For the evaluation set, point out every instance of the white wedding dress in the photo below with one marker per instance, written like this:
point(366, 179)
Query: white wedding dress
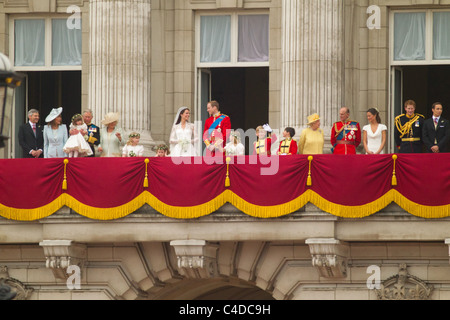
point(182, 141)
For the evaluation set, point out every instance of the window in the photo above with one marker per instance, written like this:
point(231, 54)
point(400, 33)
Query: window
point(420, 37)
point(233, 40)
point(45, 44)
point(441, 35)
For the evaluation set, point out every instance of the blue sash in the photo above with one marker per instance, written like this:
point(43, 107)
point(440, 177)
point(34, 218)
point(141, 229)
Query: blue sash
point(216, 124)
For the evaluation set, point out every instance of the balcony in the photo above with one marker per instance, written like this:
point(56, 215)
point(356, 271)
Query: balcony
point(290, 226)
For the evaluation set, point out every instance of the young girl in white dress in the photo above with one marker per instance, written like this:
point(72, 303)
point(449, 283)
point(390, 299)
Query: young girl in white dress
point(162, 151)
point(374, 134)
point(234, 147)
point(76, 145)
point(183, 135)
point(132, 148)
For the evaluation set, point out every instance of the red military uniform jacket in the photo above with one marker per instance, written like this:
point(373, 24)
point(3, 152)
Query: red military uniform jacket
point(288, 146)
point(345, 137)
point(216, 128)
point(263, 146)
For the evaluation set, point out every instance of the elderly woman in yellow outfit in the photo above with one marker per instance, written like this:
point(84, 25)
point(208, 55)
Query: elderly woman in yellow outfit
point(312, 138)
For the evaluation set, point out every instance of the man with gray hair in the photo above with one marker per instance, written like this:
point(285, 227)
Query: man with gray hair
point(93, 136)
point(31, 137)
point(345, 134)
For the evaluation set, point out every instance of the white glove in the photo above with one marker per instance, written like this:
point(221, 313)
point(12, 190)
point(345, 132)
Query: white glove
point(267, 128)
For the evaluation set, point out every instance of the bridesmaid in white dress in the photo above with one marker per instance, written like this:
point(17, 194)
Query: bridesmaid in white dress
point(374, 134)
point(183, 135)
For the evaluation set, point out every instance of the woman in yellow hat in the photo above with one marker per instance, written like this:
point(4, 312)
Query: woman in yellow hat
point(312, 138)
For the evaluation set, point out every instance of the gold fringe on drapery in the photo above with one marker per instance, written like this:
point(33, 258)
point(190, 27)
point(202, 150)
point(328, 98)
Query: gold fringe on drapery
point(194, 212)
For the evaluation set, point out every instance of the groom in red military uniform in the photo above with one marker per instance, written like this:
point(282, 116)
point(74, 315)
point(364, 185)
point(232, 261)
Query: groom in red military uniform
point(345, 134)
point(217, 129)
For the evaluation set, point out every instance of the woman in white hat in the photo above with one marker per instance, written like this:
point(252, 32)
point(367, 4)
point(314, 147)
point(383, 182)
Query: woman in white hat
point(312, 138)
point(110, 136)
point(55, 135)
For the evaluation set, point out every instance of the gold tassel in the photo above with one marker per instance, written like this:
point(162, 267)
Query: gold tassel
point(146, 173)
point(309, 180)
point(64, 185)
point(394, 177)
point(227, 179)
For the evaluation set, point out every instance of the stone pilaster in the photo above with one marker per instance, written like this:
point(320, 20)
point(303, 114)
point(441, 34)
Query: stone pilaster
point(312, 61)
point(119, 75)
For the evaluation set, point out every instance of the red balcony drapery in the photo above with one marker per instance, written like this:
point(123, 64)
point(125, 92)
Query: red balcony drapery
point(354, 186)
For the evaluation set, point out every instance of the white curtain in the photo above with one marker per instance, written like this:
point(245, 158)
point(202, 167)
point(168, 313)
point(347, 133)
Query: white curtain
point(254, 38)
point(66, 44)
point(29, 42)
point(215, 39)
point(409, 36)
point(441, 35)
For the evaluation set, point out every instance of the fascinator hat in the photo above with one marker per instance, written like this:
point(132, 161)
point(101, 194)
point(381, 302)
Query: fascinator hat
point(53, 114)
point(313, 118)
point(110, 118)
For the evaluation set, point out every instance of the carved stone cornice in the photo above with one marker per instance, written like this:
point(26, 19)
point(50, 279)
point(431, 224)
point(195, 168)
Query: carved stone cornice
point(12, 289)
point(404, 286)
point(197, 259)
point(60, 254)
point(329, 256)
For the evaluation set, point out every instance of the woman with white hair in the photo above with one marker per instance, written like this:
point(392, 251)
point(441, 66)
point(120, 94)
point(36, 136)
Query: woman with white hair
point(312, 138)
point(110, 136)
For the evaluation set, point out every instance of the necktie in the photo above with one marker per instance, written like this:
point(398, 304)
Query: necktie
point(436, 120)
point(34, 128)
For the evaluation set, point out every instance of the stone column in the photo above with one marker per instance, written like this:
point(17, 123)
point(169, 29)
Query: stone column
point(119, 68)
point(312, 61)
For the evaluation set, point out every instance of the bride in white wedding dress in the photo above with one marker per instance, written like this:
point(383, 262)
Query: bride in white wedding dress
point(183, 136)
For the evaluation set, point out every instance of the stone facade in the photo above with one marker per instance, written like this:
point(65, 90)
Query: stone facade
point(322, 56)
point(138, 258)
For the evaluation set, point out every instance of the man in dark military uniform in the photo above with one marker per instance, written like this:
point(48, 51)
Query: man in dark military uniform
point(93, 136)
point(408, 129)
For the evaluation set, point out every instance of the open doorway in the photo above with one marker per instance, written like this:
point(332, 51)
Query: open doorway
point(427, 85)
point(243, 94)
point(45, 90)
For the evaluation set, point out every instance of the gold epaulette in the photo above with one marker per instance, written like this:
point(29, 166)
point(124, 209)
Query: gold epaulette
point(418, 114)
point(398, 117)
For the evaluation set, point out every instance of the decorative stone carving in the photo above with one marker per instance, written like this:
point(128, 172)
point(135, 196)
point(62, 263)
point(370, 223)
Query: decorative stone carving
point(10, 288)
point(197, 259)
point(404, 286)
point(329, 256)
point(60, 254)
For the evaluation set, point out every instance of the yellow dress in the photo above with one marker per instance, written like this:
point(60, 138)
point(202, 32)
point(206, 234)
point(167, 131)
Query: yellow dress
point(311, 141)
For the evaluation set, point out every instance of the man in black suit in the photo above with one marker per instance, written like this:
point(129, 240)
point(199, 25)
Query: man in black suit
point(31, 138)
point(436, 131)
